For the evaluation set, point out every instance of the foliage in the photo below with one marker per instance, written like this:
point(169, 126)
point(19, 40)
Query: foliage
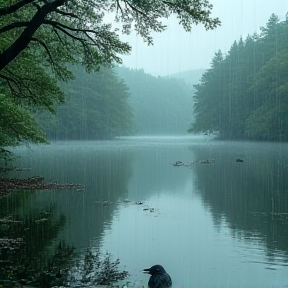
point(40, 39)
point(61, 31)
point(260, 120)
point(161, 105)
point(78, 25)
point(244, 94)
point(6, 156)
point(26, 260)
point(22, 254)
point(96, 269)
point(17, 124)
point(191, 77)
point(96, 107)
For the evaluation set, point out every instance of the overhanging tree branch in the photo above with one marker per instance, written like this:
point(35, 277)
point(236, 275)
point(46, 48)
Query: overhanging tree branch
point(119, 6)
point(13, 26)
point(23, 40)
point(135, 9)
point(73, 20)
point(24, 88)
point(45, 47)
point(58, 24)
point(57, 34)
point(8, 78)
point(16, 83)
point(72, 15)
point(69, 34)
point(13, 8)
point(74, 32)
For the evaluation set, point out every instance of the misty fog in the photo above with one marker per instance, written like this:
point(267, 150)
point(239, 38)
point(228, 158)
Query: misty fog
point(112, 161)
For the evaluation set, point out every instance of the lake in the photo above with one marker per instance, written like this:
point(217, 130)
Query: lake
point(212, 222)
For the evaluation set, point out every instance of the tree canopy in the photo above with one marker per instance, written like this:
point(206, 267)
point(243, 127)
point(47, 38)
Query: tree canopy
point(161, 105)
point(244, 94)
point(41, 39)
point(96, 107)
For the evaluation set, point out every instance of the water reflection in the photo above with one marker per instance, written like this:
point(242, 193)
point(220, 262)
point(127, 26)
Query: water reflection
point(252, 196)
point(27, 234)
point(102, 170)
point(208, 215)
point(224, 219)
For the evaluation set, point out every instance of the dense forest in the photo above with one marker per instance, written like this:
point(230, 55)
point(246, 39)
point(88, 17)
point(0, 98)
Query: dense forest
point(244, 94)
point(191, 77)
point(161, 105)
point(121, 101)
point(42, 40)
point(96, 107)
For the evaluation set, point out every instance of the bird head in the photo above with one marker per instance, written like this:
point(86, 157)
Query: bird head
point(154, 270)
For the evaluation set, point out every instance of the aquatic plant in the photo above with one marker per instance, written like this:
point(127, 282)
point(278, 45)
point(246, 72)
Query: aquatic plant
point(64, 269)
point(95, 269)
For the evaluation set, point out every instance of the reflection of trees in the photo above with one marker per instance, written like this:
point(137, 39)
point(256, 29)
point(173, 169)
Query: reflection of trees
point(25, 235)
point(31, 256)
point(105, 178)
point(35, 222)
point(103, 172)
point(251, 196)
point(153, 171)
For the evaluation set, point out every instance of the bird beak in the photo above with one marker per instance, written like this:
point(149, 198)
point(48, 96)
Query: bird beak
point(146, 271)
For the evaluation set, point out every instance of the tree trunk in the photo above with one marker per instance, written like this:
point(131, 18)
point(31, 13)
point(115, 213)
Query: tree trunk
point(24, 39)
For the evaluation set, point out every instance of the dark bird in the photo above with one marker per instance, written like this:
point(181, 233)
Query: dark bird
point(159, 278)
point(239, 160)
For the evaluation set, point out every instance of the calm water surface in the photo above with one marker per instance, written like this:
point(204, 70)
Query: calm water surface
point(221, 224)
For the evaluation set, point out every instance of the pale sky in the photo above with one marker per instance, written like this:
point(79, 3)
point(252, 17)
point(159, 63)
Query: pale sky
point(176, 50)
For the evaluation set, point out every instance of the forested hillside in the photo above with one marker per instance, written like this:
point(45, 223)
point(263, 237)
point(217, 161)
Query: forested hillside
point(244, 94)
point(101, 105)
point(191, 77)
point(96, 107)
point(41, 40)
point(161, 105)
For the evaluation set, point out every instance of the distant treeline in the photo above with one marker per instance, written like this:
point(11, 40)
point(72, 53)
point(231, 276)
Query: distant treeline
point(96, 107)
point(161, 105)
point(244, 94)
point(122, 101)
